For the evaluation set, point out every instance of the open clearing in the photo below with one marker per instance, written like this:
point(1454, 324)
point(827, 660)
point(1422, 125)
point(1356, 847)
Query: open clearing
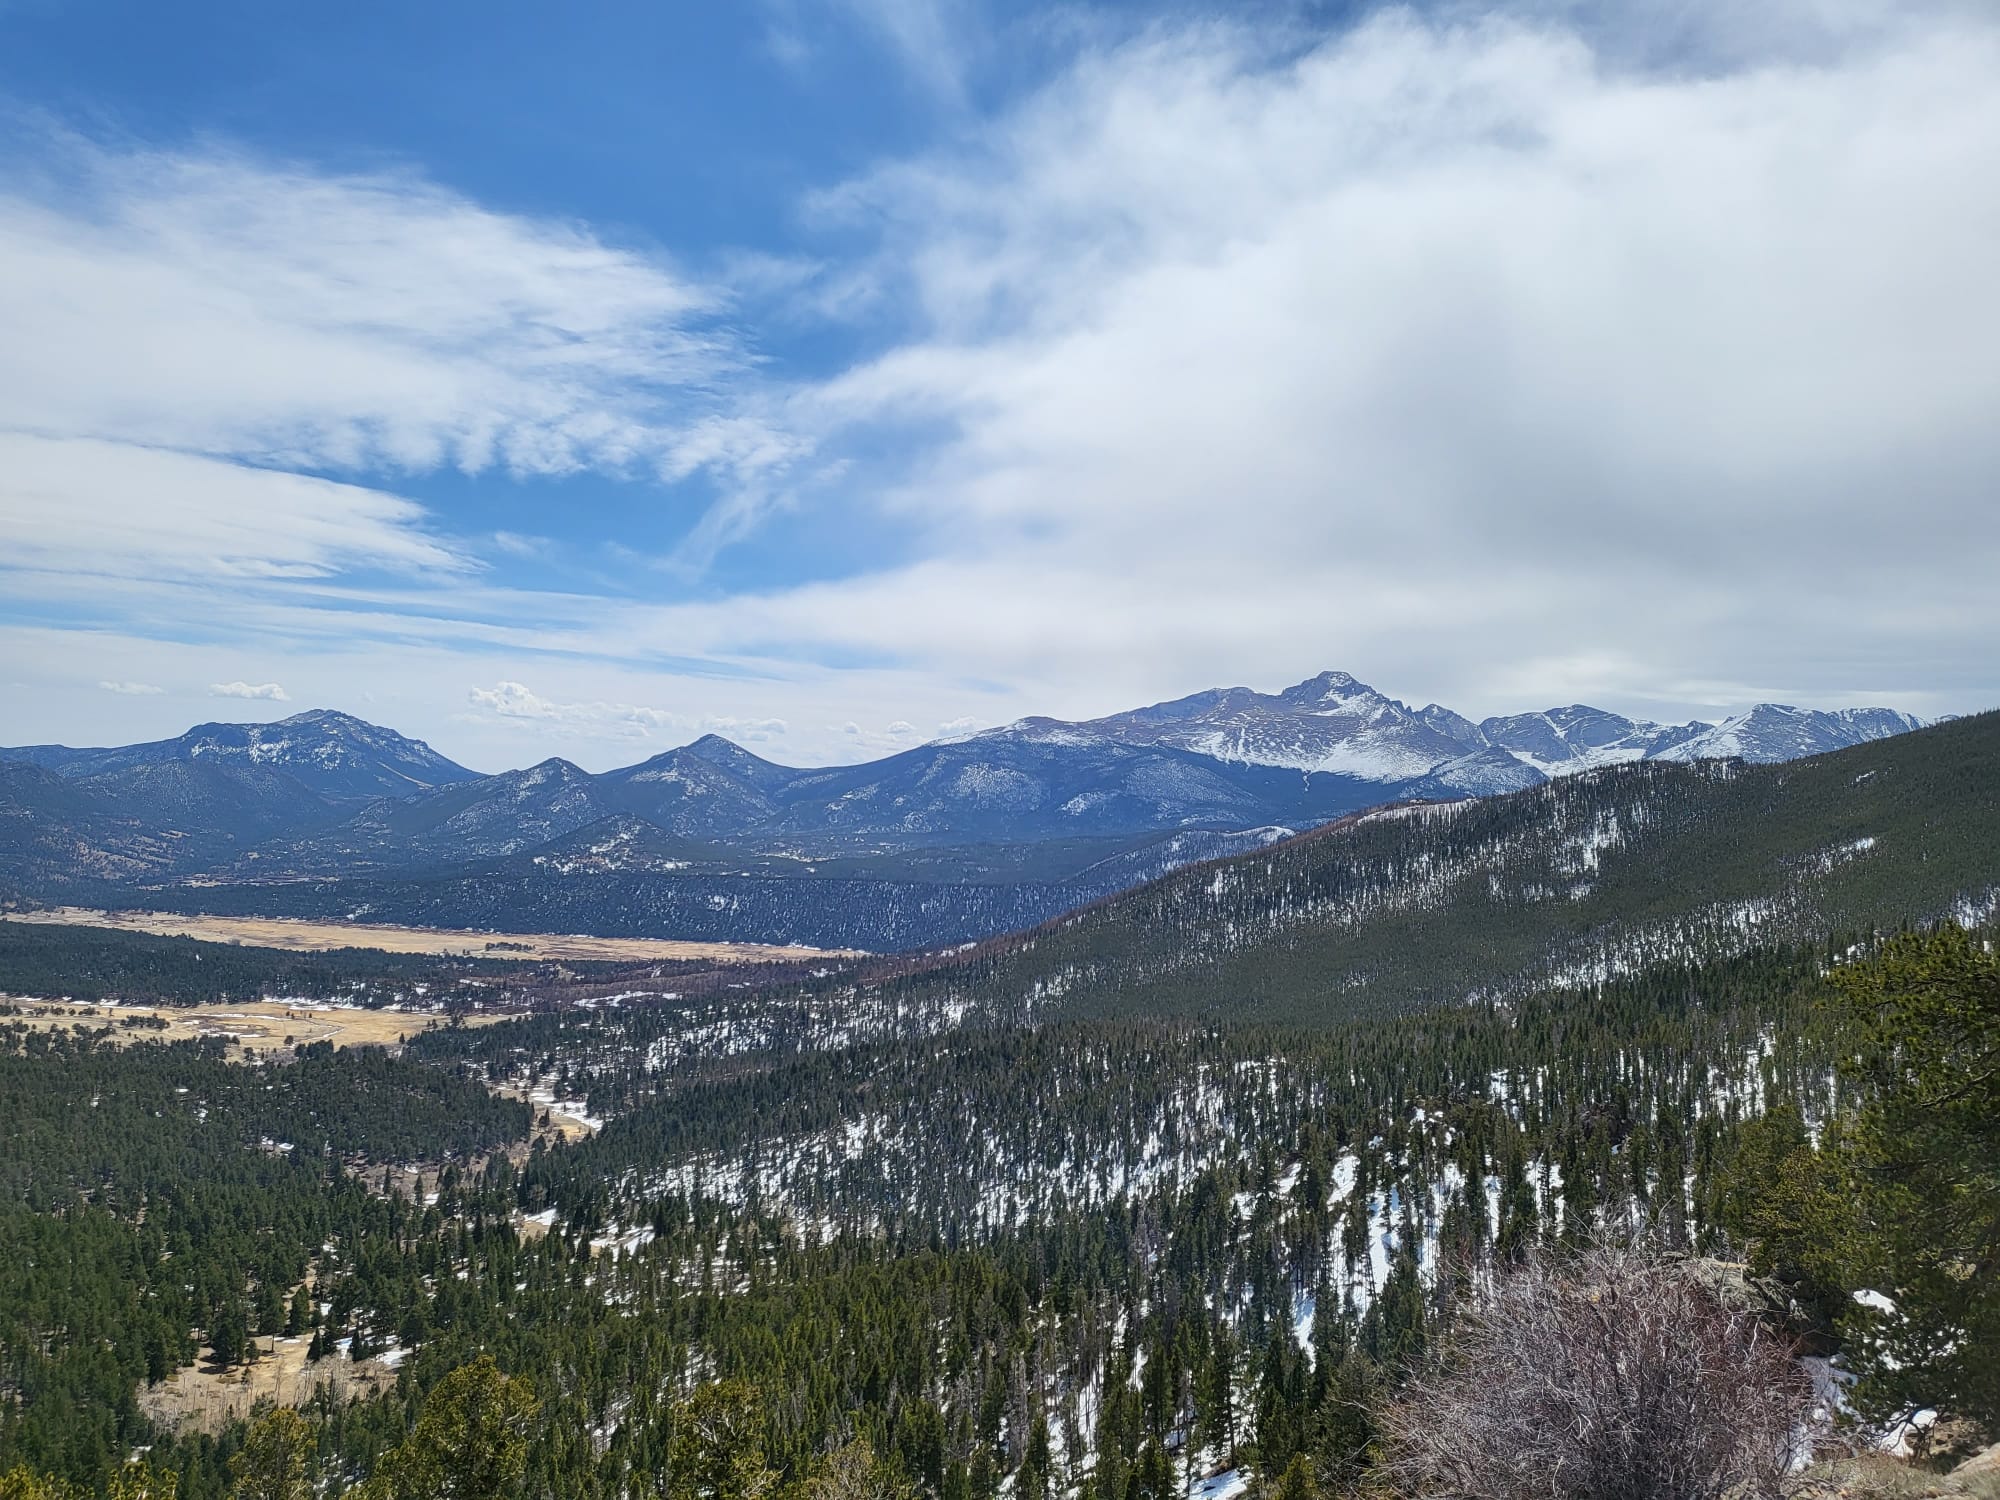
point(257, 1026)
point(208, 1400)
point(304, 935)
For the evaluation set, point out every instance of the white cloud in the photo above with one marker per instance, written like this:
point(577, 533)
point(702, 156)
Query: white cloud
point(617, 721)
point(899, 735)
point(514, 700)
point(269, 692)
point(928, 36)
point(1474, 357)
point(746, 731)
point(132, 689)
point(1486, 360)
point(189, 329)
point(226, 304)
point(91, 507)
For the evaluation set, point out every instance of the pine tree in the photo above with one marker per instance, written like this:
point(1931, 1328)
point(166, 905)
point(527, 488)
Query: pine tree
point(1922, 1163)
point(718, 1444)
point(228, 1337)
point(853, 1472)
point(470, 1441)
point(272, 1463)
point(1298, 1482)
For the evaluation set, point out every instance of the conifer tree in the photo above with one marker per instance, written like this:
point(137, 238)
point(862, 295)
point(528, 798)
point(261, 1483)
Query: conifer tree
point(718, 1444)
point(1922, 1163)
point(470, 1441)
point(272, 1463)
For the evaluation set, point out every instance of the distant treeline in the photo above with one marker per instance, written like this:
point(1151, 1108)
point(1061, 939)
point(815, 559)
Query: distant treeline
point(99, 963)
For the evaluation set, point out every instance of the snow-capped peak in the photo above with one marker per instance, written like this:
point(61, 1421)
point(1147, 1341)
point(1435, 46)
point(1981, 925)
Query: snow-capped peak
point(1771, 732)
point(1336, 724)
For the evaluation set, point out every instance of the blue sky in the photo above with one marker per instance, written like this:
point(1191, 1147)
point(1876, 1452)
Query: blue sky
point(835, 373)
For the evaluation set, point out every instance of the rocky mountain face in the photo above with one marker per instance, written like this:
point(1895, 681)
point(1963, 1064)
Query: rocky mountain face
point(474, 819)
point(1336, 724)
point(1773, 732)
point(1001, 790)
point(1331, 724)
point(1578, 737)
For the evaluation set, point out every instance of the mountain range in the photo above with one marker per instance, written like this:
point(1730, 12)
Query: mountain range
point(1333, 724)
point(1053, 811)
point(1576, 882)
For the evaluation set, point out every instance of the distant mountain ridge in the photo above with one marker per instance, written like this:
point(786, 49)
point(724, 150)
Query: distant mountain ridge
point(331, 754)
point(204, 797)
point(1336, 724)
point(1055, 809)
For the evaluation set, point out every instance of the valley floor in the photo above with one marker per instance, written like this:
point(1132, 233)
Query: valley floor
point(296, 934)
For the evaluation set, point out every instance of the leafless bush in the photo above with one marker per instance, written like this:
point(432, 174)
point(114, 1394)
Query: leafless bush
point(1615, 1375)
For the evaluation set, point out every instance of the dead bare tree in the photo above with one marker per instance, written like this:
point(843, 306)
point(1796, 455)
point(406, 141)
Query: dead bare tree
point(1612, 1375)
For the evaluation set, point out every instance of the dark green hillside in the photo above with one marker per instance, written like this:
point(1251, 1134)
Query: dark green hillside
point(156, 1198)
point(120, 1126)
point(1609, 871)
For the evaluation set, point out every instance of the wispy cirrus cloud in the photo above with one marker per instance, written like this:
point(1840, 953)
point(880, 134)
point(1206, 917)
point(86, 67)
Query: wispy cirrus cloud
point(98, 508)
point(218, 302)
point(222, 367)
point(930, 40)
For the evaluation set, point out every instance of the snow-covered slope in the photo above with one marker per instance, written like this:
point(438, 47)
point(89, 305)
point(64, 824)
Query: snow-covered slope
point(1773, 732)
point(1578, 738)
point(478, 819)
point(1331, 723)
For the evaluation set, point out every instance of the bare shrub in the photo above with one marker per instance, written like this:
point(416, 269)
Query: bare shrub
point(1614, 1375)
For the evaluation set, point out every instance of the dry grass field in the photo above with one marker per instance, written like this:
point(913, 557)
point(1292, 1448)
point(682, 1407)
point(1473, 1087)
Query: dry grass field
point(303, 935)
point(207, 1400)
point(257, 1026)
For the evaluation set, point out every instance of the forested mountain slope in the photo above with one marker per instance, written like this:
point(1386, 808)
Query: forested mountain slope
point(1170, 1248)
point(947, 1240)
point(1594, 874)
